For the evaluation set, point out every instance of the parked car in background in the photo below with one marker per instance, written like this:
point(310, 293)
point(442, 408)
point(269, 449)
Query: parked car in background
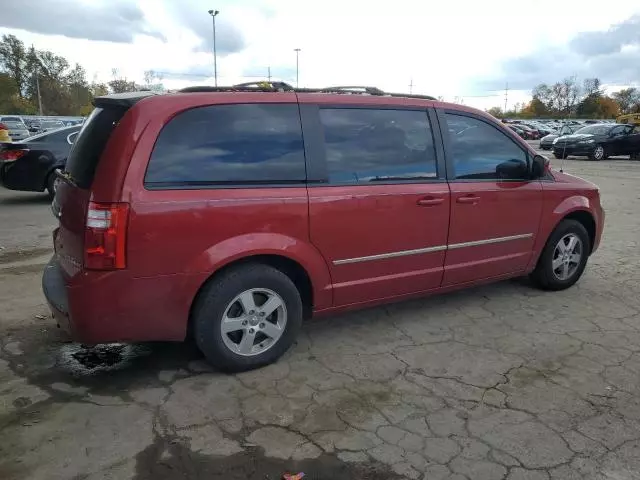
point(533, 134)
point(599, 142)
point(17, 130)
point(291, 183)
point(4, 133)
point(29, 165)
point(11, 118)
point(521, 133)
point(546, 142)
point(48, 125)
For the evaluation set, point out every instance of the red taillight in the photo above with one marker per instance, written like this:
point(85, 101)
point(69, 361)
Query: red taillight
point(3, 127)
point(12, 155)
point(105, 236)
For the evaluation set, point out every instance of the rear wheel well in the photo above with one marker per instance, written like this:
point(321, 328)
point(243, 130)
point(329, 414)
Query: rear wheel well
point(290, 268)
point(587, 221)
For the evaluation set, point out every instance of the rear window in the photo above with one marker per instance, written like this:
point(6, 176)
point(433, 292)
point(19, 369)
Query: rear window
point(89, 144)
point(227, 145)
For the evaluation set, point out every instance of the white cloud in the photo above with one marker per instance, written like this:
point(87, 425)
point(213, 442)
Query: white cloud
point(447, 48)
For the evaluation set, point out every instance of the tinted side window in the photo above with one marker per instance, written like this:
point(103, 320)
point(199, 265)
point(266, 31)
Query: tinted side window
point(368, 145)
point(478, 148)
point(230, 144)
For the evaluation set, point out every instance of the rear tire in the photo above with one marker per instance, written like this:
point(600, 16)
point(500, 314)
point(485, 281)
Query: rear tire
point(228, 325)
point(51, 185)
point(549, 273)
point(634, 156)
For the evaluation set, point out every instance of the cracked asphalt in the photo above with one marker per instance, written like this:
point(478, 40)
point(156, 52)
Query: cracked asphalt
point(497, 382)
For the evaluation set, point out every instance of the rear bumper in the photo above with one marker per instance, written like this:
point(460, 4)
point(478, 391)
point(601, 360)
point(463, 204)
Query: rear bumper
point(102, 307)
point(55, 292)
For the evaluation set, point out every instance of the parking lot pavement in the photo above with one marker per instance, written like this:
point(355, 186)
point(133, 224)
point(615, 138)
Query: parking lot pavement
point(498, 382)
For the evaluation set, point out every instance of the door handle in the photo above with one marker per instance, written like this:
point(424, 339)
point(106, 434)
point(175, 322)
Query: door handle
point(468, 199)
point(430, 201)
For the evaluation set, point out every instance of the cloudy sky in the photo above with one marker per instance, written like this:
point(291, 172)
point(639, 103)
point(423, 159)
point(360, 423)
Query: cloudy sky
point(453, 48)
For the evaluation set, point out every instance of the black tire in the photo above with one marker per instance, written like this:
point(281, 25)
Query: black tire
point(560, 155)
point(598, 153)
point(51, 178)
point(217, 295)
point(543, 276)
point(634, 156)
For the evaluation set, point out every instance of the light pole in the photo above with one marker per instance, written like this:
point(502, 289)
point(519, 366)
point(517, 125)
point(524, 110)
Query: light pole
point(297, 50)
point(213, 14)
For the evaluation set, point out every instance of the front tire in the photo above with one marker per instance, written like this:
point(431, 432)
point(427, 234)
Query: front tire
point(563, 258)
point(598, 153)
point(560, 155)
point(247, 318)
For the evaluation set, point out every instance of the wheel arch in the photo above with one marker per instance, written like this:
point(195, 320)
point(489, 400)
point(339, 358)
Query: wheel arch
point(290, 267)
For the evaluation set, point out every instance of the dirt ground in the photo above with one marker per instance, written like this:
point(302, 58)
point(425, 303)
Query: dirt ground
point(497, 382)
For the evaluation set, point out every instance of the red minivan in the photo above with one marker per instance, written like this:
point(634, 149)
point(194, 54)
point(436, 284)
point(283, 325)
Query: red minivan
point(230, 214)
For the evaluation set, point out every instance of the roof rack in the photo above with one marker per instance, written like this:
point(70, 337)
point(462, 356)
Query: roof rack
point(270, 86)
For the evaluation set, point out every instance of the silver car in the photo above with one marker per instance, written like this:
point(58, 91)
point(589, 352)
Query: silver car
point(18, 131)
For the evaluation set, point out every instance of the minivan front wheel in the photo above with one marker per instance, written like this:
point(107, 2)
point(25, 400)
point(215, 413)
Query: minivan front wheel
point(564, 257)
point(247, 318)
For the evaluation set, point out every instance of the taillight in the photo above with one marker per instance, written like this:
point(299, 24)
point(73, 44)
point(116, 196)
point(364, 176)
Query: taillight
point(105, 236)
point(12, 155)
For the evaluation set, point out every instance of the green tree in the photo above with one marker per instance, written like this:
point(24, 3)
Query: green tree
point(628, 99)
point(13, 59)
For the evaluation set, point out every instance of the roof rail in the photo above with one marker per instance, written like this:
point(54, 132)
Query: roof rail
point(270, 86)
point(266, 86)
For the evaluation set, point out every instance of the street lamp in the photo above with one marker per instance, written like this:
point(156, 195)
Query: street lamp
point(297, 50)
point(213, 14)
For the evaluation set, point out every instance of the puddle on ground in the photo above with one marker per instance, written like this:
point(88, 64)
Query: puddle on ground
point(81, 360)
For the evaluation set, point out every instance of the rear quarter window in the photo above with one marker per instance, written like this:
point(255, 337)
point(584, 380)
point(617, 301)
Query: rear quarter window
point(227, 145)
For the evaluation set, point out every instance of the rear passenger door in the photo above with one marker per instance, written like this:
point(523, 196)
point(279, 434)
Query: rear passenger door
point(494, 221)
point(378, 199)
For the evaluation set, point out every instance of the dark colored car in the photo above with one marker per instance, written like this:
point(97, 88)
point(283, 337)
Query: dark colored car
point(546, 142)
point(599, 142)
point(231, 214)
point(533, 133)
point(521, 132)
point(29, 165)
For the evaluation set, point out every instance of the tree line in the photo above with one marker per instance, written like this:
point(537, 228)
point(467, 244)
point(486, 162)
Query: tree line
point(570, 99)
point(40, 82)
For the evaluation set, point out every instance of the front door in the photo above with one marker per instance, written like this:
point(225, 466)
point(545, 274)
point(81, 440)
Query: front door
point(494, 221)
point(381, 216)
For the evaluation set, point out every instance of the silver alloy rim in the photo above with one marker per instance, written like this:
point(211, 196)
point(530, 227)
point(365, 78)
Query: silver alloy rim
point(598, 152)
point(253, 322)
point(567, 256)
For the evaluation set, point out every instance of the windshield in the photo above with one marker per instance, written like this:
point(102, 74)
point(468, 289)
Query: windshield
point(16, 125)
point(594, 129)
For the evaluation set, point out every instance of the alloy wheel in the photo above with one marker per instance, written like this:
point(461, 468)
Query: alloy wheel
point(567, 256)
point(253, 321)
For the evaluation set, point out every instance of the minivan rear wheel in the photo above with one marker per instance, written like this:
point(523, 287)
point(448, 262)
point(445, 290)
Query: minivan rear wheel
point(564, 257)
point(247, 318)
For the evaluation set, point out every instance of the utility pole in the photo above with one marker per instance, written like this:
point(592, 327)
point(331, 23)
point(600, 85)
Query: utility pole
point(506, 96)
point(297, 50)
point(411, 86)
point(39, 97)
point(213, 14)
point(269, 73)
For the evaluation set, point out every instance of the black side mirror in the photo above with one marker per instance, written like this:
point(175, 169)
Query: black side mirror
point(512, 170)
point(538, 166)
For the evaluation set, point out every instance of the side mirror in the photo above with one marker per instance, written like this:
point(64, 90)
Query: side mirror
point(512, 170)
point(539, 165)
